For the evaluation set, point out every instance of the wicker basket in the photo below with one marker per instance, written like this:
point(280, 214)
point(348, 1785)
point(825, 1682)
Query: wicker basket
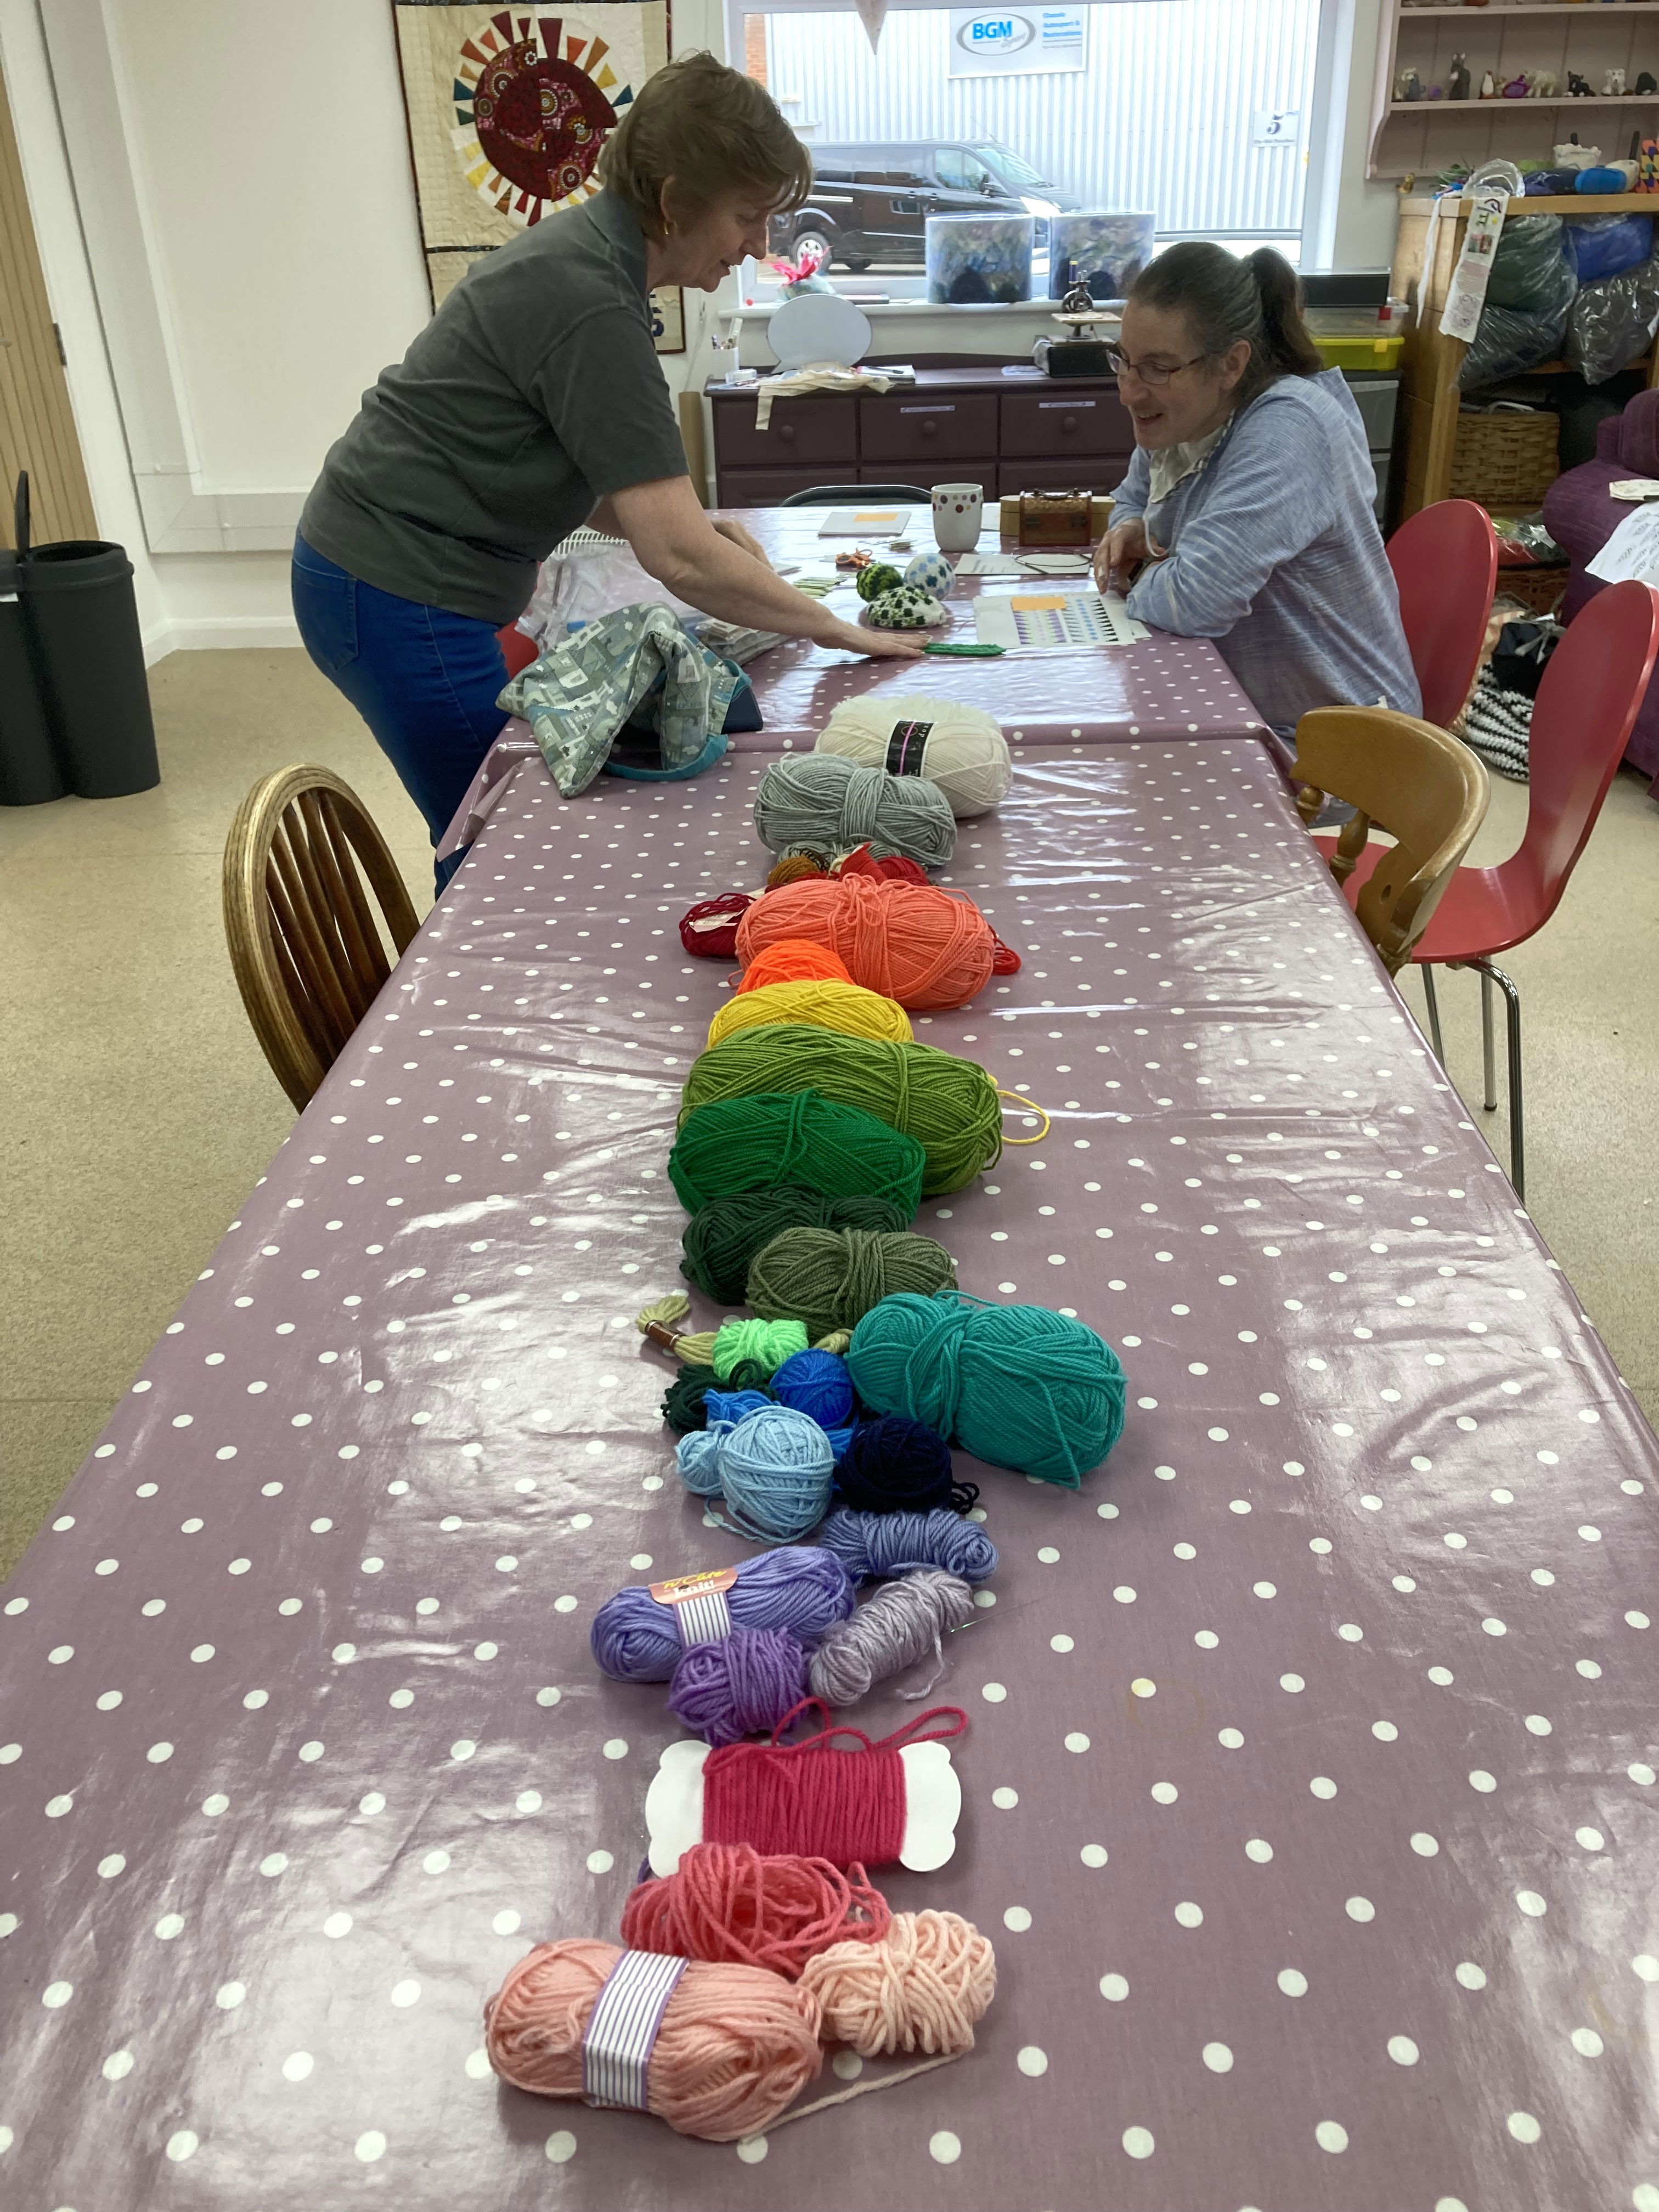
point(1537, 589)
point(1506, 461)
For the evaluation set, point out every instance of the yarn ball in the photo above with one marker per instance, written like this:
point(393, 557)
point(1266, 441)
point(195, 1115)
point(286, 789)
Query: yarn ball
point(635, 1639)
point(922, 1987)
point(829, 1278)
point(816, 1383)
point(818, 798)
point(722, 1238)
point(727, 1902)
point(931, 573)
point(791, 868)
point(710, 927)
point(912, 942)
point(895, 1465)
point(684, 1405)
point(767, 1344)
point(1018, 1386)
point(735, 1406)
point(903, 1621)
point(793, 961)
point(755, 1143)
point(873, 1546)
point(846, 1008)
point(958, 747)
point(950, 1106)
point(880, 576)
point(906, 608)
point(742, 1685)
point(772, 1470)
point(735, 2048)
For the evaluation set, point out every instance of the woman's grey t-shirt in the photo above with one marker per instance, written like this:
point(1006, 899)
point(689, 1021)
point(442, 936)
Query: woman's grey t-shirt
point(533, 391)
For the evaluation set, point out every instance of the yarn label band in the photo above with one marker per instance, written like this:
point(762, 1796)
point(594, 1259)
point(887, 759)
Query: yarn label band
point(701, 1612)
point(905, 747)
point(622, 2028)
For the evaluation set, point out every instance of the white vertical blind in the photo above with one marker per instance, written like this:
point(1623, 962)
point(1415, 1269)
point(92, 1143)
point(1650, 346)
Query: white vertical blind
point(1159, 118)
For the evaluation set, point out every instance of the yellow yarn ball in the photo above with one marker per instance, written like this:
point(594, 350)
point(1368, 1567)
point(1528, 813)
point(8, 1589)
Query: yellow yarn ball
point(848, 1008)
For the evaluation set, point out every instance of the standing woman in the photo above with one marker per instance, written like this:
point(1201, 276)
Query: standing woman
point(531, 403)
point(1247, 508)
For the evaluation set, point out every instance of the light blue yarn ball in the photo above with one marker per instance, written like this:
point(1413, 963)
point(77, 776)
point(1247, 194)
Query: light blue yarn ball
point(931, 572)
point(774, 1470)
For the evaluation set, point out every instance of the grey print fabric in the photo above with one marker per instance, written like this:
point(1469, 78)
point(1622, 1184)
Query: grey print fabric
point(577, 696)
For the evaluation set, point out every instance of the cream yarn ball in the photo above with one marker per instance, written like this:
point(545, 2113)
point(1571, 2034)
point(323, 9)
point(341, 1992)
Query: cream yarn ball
point(960, 748)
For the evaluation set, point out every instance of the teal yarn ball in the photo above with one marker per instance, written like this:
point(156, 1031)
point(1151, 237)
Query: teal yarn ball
point(774, 1470)
point(1017, 1386)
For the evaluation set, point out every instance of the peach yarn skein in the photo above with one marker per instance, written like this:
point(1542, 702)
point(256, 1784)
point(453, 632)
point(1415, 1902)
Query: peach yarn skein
point(909, 941)
point(736, 2047)
point(920, 1987)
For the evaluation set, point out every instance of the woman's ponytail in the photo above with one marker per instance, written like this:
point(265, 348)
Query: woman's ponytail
point(1290, 350)
point(1226, 300)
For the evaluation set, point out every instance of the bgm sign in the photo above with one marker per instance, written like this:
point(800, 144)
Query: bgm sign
point(1015, 41)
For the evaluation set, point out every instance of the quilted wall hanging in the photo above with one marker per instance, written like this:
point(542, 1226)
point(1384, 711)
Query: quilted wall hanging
point(507, 110)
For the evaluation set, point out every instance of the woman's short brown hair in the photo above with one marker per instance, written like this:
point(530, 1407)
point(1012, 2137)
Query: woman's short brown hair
point(712, 130)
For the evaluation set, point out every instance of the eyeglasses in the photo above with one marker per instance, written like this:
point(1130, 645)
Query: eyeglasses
point(1152, 372)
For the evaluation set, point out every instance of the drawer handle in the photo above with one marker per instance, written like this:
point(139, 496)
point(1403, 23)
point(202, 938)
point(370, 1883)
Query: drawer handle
point(1042, 404)
point(949, 409)
point(930, 429)
point(786, 429)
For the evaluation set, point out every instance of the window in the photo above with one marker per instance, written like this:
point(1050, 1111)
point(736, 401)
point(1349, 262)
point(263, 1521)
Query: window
point(1199, 110)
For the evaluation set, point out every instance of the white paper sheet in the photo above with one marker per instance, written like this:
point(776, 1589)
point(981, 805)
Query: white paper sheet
point(1024, 564)
point(1633, 549)
point(865, 522)
point(1054, 620)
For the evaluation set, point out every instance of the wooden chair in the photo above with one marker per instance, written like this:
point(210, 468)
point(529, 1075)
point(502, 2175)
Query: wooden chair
point(1425, 789)
point(305, 943)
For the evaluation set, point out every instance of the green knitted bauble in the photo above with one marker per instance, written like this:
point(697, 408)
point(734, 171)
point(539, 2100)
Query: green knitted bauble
point(906, 608)
point(880, 576)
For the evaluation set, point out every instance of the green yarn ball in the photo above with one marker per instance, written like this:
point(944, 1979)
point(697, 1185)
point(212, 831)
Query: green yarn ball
point(906, 608)
point(724, 1237)
point(763, 1344)
point(753, 1143)
point(1017, 1386)
point(683, 1407)
point(829, 1278)
point(880, 576)
point(950, 1106)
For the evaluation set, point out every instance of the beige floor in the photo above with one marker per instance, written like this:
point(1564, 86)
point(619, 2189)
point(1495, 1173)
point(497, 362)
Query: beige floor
point(138, 1110)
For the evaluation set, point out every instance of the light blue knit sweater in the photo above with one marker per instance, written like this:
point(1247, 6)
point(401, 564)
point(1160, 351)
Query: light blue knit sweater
point(1274, 552)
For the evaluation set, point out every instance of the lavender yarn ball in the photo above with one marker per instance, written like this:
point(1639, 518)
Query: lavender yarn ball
point(903, 1621)
point(741, 1687)
point(875, 1546)
point(804, 1589)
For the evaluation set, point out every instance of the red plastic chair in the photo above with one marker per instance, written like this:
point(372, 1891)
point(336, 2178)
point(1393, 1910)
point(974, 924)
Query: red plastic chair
point(518, 650)
point(1592, 691)
point(1445, 566)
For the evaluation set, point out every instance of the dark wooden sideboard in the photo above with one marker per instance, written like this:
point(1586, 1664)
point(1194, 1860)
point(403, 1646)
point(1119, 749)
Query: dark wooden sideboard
point(1010, 429)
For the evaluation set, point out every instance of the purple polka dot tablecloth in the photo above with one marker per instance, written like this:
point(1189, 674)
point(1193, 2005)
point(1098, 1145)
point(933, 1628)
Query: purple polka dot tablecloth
point(1309, 1778)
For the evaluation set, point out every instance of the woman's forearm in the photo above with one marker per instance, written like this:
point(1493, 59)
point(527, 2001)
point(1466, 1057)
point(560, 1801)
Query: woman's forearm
point(675, 542)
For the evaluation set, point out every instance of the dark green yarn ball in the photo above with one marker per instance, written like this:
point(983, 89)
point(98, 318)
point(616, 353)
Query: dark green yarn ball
point(723, 1237)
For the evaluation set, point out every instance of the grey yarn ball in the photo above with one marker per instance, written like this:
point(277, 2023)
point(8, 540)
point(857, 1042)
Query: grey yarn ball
point(818, 802)
point(902, 1622)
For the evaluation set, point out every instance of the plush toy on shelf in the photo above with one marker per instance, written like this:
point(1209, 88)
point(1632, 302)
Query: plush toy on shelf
point(1647, 82)
point(1612, 84)
point(1515, 89)
point(1408, 85)
point(1488, 85)
point(1457, 85)
point(1577, 87)
point(1540, 84)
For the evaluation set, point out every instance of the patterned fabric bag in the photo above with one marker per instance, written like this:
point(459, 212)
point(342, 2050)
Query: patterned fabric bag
point(577, 697)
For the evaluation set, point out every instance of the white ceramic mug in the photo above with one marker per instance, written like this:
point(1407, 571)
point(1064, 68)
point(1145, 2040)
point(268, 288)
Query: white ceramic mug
point(958, 511)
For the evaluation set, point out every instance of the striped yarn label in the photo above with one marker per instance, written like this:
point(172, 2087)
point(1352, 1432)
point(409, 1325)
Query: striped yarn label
point(622, 2028)
point(904, 748)
point(705, 1619)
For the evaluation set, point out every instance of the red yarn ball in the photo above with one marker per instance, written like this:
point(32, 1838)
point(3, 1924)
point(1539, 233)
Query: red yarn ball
point(710, 927)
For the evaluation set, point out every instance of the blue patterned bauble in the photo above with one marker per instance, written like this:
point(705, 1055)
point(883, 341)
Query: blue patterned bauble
point(931, 572)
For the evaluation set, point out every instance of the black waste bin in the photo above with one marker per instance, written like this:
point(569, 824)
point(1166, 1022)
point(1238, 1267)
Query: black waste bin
point(30, 771)
point(81, 620)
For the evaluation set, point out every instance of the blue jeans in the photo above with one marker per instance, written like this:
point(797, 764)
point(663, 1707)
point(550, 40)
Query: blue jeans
point(424, 680)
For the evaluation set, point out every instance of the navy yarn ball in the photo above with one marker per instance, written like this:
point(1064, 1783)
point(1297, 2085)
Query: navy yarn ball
point(895, 1465)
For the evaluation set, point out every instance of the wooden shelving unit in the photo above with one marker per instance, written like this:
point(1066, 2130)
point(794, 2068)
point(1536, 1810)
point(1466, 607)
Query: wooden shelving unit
point(1420, 137)
point(1429, 363)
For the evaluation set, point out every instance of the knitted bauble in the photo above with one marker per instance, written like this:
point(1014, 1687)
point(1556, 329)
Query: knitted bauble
point(931, 573)
point(906, 608)
point(880, 576)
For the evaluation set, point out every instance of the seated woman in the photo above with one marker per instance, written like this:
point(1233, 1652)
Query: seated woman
point(1247, 508)
point(531, 403)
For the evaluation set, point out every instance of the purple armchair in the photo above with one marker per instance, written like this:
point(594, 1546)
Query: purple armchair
point(1580, 517)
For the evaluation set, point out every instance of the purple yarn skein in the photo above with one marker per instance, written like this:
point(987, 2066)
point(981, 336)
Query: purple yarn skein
point(797, 1586)
point(741, 1687)
point(874, 1546)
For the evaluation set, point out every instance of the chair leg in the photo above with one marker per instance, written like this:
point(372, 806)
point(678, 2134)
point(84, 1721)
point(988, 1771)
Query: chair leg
point(1434, 1012)
point(1517, 1130)
point(1488, 1044)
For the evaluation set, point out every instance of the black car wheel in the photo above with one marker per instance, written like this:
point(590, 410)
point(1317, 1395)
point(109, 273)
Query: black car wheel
point(816, 241)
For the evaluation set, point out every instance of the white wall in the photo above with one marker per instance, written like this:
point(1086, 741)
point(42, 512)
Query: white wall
point(1366, 213)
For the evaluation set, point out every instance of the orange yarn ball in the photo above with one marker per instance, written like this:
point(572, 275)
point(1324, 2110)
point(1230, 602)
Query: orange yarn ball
point(792, 869)
point(908, 941)
point(736, 2047)
point(794, 960)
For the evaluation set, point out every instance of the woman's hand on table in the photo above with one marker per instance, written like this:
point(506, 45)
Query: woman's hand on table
point(735, 534)
point(877, 644)
point(1122, 552)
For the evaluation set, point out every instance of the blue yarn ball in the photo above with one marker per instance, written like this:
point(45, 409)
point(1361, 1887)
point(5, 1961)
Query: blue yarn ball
point(733, 1406)
point(931, 572)
point(816, 1382)
point(773, 1469)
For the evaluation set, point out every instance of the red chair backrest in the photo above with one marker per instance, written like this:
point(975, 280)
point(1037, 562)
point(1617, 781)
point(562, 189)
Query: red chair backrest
point(517, 650)
point(1445, 567)
point(1593, 688)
